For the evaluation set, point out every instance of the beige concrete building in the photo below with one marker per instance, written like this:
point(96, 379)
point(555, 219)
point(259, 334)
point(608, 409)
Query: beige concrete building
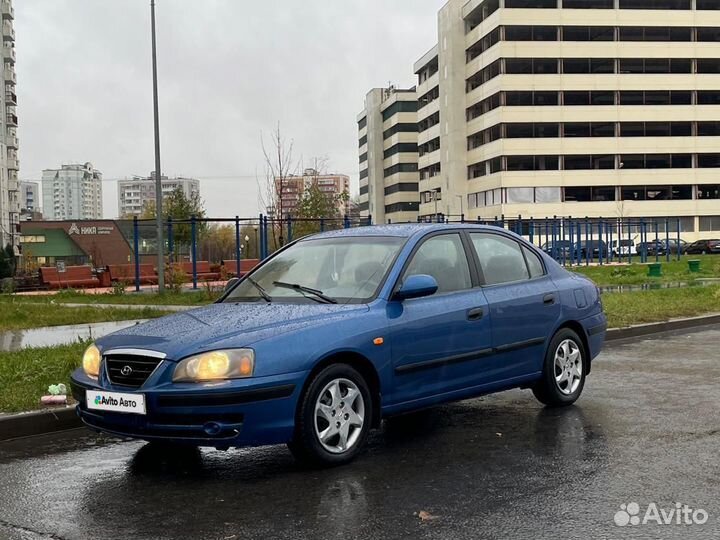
point(388, 147)
point(134, 194)
point(72, 192)
point(333, 186)
point(598, 108)
point(9, 163)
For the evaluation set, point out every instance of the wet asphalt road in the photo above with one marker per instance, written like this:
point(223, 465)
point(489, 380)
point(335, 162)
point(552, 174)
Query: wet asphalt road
point(646, 430)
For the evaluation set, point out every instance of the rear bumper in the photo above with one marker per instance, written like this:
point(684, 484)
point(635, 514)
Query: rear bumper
point(231, 415)
point(595, 330)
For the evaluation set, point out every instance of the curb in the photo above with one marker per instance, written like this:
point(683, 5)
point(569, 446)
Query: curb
point(15, 426)
point(43, 422)
point(616, 334)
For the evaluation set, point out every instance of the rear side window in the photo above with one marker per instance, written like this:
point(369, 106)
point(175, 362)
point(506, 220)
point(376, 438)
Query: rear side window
point(534, 264)
point(501, 259)
point(442, 257)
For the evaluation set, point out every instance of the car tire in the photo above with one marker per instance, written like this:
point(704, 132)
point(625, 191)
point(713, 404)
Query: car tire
point(324, 409)
point(564, 370)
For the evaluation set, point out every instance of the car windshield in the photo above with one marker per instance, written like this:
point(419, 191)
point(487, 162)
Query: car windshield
point(343, 270)
point(626, 243)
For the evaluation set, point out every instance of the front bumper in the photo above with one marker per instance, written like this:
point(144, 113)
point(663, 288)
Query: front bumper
point(251, 412)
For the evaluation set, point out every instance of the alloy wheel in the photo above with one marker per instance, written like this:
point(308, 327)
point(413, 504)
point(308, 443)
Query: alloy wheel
point(568, 367)
point(339, 416)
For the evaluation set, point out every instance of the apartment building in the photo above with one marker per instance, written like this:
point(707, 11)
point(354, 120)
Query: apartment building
point(334, 186)
point(135, 193)
point(388, 147)
point(72, 192)
point(30, 196)
point(9, 164)
point(583, 108)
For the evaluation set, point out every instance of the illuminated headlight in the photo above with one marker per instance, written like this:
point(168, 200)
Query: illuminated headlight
point(216, 365)
point(91, 361)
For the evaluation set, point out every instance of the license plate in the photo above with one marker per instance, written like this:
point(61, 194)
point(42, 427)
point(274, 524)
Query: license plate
point(115, 402)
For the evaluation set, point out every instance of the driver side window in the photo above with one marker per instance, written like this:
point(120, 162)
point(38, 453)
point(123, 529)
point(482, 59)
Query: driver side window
point(442, 257)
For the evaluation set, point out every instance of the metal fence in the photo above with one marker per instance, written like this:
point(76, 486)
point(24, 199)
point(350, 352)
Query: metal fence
point(570, 241)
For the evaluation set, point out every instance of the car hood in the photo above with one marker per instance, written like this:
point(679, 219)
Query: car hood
point(189, 332)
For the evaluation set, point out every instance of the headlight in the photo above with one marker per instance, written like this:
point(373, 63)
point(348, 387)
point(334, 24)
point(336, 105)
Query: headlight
point(216, 365)
point(91, 361)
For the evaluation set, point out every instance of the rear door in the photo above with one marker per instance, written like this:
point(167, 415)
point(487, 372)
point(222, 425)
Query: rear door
point(440, 342)
point(523, 300)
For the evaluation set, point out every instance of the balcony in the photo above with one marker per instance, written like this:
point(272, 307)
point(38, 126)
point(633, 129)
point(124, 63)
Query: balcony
point(10, 77)
point(9, 54)
point(8, 12)
point(10, 98)
point(11, 141)
point(13, 164)
point(12, 120)
point(13, 185)
point(8, 31)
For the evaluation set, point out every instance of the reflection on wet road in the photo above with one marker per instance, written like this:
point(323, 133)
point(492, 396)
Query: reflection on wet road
point(15, 340)
point(647, 430)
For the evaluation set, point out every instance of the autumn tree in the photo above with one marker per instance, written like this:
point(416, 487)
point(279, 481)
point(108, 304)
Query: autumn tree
point(181, 208)
point(279, 167)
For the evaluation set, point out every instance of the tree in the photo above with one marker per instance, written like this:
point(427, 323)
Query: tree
point(279, 166)
point(315, 205)
point(7, 262)
point(180, 207)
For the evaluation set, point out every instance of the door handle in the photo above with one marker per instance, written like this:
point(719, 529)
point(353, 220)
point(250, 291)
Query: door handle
point(549, 299)
point(475, 314)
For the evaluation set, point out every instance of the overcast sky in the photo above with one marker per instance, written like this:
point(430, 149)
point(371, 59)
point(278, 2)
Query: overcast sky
point(229, 71)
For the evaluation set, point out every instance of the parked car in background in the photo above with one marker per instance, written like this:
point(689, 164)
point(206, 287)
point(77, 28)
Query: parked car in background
point(661, 247)
point(336, 331)
point(558, 249)
point(592, 249)
point(623, 248)
point(703, 247)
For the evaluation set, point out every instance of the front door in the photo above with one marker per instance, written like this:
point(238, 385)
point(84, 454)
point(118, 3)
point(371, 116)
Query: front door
point(439, 342)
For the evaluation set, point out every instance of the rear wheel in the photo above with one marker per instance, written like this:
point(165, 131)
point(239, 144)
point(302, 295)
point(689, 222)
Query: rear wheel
point(334, 417)
point(563, 377)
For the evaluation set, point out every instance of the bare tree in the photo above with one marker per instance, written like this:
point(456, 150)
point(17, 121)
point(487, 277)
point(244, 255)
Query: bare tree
point(279, 166)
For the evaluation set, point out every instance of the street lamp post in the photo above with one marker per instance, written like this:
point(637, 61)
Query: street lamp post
point(158, 175)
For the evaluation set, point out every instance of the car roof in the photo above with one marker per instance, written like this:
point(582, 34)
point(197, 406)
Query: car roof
point(404, 230)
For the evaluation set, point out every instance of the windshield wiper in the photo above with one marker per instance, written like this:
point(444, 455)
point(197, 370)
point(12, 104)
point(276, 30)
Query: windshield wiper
point(303, 289)
point(260, 289)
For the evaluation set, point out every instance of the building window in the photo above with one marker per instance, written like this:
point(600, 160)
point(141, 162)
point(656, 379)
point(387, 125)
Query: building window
point(708, 191)
point(708, 34)
point(362, 123)
point(402, 207)
point(401, 168)
point(588, 33)
point(655, 4)
point(531, 65)
point(709, 223)
point(399, 107)
point(708, 65)
point(707, 4)
point(400, 128)
point(530, 3)
point(708, 97)
point(402, 187)
point(363, 141)
point(531, 33)
point(588, 4)
point(655, 33)
point(407, 148)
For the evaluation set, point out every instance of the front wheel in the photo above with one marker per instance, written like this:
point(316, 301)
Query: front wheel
point(563, 377)
point(334, 417)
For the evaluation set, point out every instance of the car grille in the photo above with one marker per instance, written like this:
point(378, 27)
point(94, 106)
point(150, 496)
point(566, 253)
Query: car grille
point(130, 370)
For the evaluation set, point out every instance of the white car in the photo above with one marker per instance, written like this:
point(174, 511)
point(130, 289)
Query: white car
point(623, 247)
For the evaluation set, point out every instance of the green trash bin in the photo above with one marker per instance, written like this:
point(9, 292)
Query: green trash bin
point(694, 265)
point(654, 270)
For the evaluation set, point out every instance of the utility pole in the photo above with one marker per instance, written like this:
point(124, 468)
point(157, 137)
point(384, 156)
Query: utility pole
point(158, 174)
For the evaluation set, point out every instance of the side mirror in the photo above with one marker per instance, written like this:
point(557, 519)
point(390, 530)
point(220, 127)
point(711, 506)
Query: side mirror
point(417, 286)
point(231, 283)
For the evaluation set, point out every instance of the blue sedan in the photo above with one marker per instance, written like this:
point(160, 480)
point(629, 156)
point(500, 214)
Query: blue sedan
point(339, 330)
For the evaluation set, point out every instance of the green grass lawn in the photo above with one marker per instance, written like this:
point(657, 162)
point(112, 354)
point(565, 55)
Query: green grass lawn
point(189, 298)
point(626, 309)
point(21, 315)
point(25, 375)
point(636, 273)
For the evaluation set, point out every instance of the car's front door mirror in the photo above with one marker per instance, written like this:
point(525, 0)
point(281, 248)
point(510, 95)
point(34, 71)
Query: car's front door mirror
point(231, 283)
point(417, 286)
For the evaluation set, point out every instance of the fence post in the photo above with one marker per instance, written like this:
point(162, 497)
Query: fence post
point(136, 243)
point(629, 237)
point(171, 242)
point(600, 242)
point(588, 246)
point(667, 240)
point(369, 220)
point(346, 221)
point(678, 238)
point(531, 230)
point(193, 232)
point(238, 253)
point(462, 218)
point(643, 239)
point(322, 224)
point(657, 240)
point(289, 229)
